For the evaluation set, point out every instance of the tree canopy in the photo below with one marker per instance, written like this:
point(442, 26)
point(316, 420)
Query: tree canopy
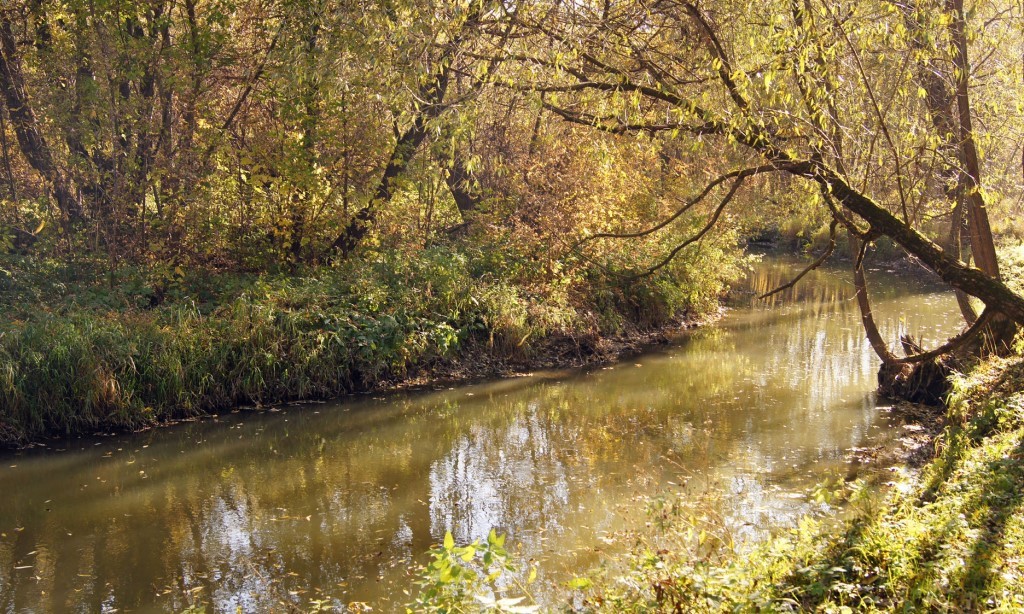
point(252, 134)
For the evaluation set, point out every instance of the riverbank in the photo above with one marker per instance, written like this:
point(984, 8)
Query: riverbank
point(80, 357)
point(949, 537)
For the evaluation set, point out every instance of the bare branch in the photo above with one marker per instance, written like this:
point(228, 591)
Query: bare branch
point(697, 237)
point(817, 263)
point(738, 174)
point(954, 342)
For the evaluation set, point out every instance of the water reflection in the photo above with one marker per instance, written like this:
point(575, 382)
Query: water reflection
point(254, 510)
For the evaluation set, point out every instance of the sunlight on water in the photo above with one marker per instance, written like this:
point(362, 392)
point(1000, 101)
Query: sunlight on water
point(254, 509)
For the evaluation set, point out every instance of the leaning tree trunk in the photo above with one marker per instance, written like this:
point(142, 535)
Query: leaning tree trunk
point(431, 105)
point(928, 380)
point(401, 156)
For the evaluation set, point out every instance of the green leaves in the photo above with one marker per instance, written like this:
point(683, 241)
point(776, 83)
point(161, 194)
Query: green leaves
point(466, 578)
point(494, 540)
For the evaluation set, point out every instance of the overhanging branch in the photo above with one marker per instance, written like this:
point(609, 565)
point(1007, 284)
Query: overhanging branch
point(737, 174)
point(817, 263)
point(700, 235)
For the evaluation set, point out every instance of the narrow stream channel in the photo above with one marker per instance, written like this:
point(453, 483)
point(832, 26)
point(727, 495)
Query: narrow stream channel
point(254, 509)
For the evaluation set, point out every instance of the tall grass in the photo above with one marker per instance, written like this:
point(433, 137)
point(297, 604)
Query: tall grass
point(73, 368)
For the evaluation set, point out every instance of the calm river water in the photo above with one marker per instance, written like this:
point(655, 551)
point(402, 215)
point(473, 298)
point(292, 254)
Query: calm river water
point(256, 509)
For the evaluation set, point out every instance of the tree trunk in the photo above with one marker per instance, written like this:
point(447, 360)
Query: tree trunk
point(878, 344)
point(467, 197)
point(942, 106)
point(26, 127)
point(951, 270)
point(955, 238)
point(7, 156)
point(982, 244)
point(401, 155)
point(432, 95)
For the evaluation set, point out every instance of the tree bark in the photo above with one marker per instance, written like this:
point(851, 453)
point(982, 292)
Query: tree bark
point(878, 344)
point(401, 155)
point(7, 156)
point(460, 184)
point(973, 281)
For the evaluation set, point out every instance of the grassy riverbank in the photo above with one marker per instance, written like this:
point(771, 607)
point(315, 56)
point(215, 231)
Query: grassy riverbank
point(88, 352)
point(947, 538)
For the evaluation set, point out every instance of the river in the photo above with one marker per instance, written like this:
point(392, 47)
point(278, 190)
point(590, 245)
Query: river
point(256, 509)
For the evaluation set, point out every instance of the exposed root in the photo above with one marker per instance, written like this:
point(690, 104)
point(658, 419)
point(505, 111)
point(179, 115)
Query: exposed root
point(925, 382)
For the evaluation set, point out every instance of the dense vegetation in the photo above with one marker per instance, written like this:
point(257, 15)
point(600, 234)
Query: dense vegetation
point(212, 203)
point(181, 173)
point(184, 183)
point(567, 169)
point(93, 358)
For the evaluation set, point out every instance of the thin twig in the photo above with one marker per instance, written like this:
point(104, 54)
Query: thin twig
point(697, 237)
point(737, 174)
point(817, 263)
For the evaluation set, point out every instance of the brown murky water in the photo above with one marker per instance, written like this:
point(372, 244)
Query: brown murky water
point(255, 510)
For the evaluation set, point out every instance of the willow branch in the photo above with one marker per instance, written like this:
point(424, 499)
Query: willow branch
point(718, 51)
point(878, 112)
point(738, 174)
point(614, 125)
point(837, 213)
point(697, 237)
point(710, 126)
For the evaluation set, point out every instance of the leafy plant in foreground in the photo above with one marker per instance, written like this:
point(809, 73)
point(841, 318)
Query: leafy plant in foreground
point(470, 579)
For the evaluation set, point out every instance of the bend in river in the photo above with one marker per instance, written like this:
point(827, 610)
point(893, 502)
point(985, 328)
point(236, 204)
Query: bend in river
point(253, 510)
